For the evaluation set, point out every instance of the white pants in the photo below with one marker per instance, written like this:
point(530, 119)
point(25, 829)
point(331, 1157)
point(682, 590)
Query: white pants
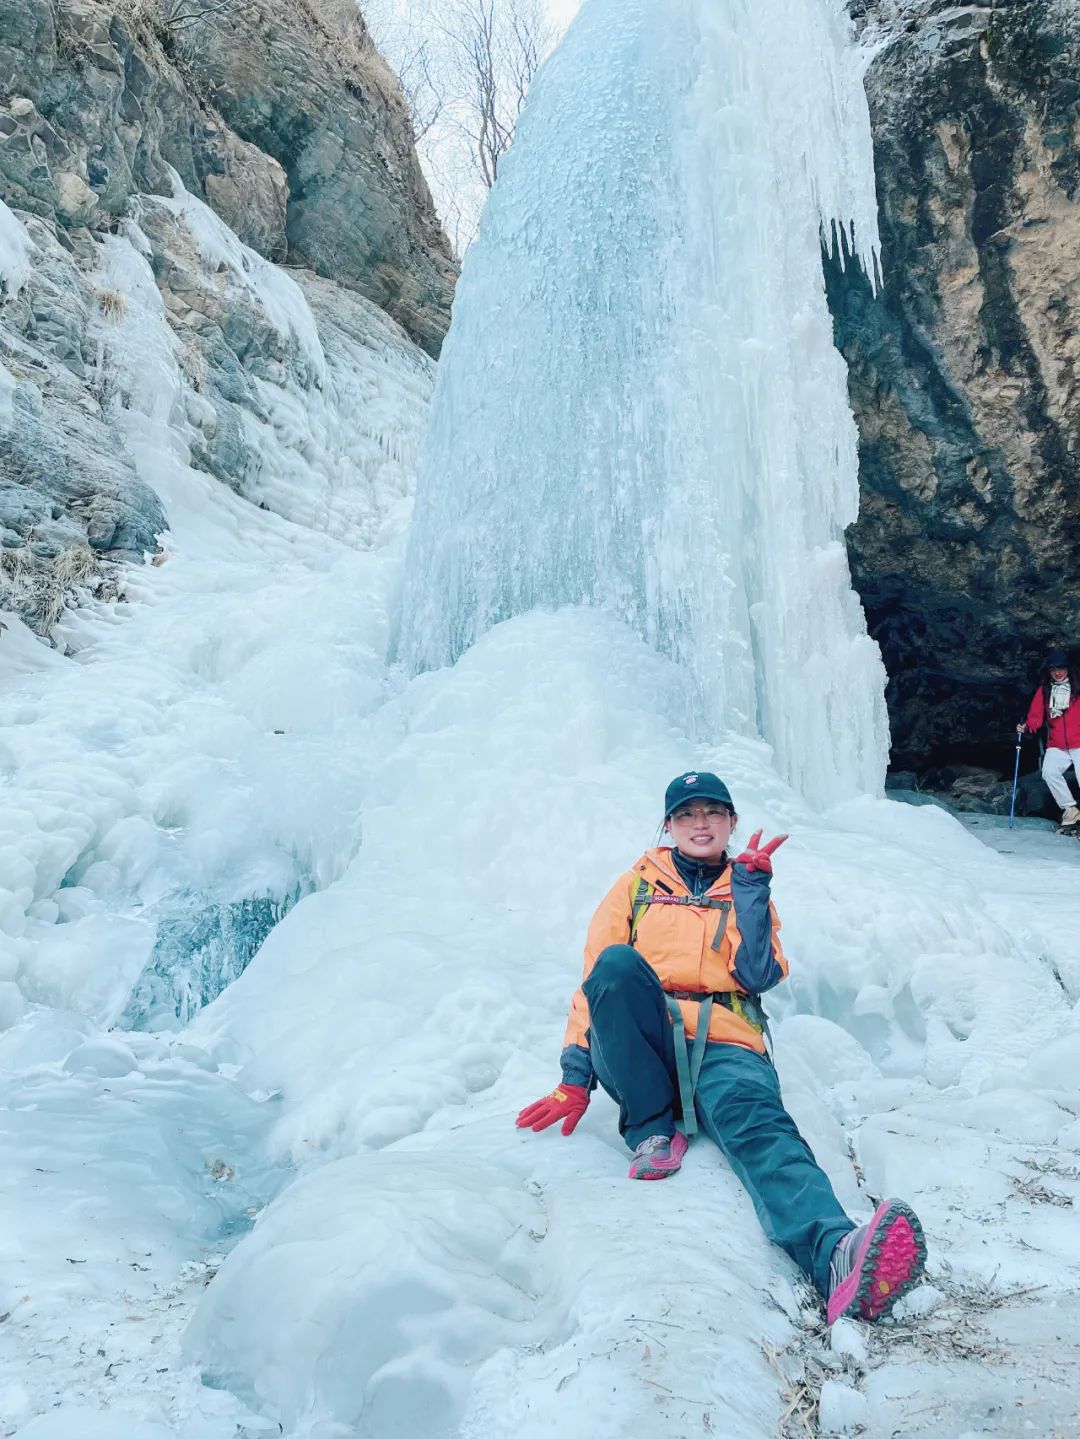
point(1055, 763)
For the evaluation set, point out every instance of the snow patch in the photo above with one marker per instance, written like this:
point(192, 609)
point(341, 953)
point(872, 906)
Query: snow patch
point(16, 250)
point(276, 293)
point(403, 1272)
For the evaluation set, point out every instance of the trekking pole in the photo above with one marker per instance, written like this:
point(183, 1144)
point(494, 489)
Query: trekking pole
point(1016, 779)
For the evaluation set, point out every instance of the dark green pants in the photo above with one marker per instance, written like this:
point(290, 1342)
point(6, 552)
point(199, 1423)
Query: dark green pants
point(738, 1106)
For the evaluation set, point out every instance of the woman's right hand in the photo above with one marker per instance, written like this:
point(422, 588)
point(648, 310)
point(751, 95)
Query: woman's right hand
point(1021, 728)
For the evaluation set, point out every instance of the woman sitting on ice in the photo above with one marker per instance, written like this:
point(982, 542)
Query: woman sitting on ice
point(1056, 704)
point(681, 948)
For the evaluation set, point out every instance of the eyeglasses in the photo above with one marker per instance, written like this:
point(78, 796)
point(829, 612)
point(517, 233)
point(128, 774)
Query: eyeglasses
point(708, 812)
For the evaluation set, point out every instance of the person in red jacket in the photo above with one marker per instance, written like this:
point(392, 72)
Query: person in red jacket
point(680, 949)
point(1056, 704)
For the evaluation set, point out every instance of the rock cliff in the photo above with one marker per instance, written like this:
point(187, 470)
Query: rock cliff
point(963, 369)
point(278, 113)
point(121, 120)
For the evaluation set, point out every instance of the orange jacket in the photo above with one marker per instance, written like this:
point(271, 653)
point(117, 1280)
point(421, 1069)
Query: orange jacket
point(680, 942)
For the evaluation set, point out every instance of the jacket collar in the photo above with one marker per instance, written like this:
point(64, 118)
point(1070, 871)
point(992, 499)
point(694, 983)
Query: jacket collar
point(659, 864)
point(698, 876)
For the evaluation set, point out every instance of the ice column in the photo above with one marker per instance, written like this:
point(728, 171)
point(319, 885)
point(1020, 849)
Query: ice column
point(639, 404)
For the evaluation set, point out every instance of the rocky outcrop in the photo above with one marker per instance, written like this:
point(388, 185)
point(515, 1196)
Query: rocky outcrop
point(127, 117)
point(278, 113)
point(69, 494)
point(314, 94)
point(964, 368)
point(92, 112)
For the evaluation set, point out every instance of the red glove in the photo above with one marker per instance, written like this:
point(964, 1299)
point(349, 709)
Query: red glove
point(568, 1102)
point(754, 858)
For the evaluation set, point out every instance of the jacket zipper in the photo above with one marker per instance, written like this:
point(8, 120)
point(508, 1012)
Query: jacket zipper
point(707, 895)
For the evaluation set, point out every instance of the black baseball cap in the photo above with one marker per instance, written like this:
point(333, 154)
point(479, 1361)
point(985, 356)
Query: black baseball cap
point(696, 784)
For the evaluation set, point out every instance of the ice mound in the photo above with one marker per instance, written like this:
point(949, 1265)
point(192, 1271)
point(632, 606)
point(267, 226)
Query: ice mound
point(369, 1293)
point(514, 788)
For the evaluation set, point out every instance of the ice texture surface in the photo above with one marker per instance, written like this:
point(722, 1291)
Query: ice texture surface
point(639, 404)
point(166, 788)
point(312, 1196)
point(199, 950)
point(405, 1013)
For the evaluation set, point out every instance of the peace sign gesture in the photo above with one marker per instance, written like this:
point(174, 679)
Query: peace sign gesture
point(758, 856)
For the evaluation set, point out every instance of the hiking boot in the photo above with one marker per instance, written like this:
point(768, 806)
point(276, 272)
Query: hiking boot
point(658, 1156)
point(874, 1265)
point(1070, 820)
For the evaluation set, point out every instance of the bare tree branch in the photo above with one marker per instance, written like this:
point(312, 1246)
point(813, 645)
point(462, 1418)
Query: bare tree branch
point(465, 67)
point(178, 14)
point(420, 89)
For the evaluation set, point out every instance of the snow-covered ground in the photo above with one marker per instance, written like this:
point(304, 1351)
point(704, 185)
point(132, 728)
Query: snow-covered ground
point(306, 1211)
point(622, 1306)
point(435, 1262)
point(418, 1266)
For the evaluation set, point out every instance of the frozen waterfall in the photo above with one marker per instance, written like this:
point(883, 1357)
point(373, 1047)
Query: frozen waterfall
point(640, 405)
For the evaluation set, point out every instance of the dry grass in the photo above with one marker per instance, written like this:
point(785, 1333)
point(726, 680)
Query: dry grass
point(40, 590)
point(76, 566)
point(345, 41)
point(1051, 1164)
point(112, 305)
point(1044, 1165)
point(1036, 1193)
point(954, 1329)
point(146, 19)
point(800, 1399)
point(193, 362)
point(952, 1332)
point(803, 1368)
point(16, 564)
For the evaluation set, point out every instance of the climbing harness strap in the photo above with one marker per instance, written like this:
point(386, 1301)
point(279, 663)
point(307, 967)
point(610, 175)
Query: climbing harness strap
point(645, 894)
point(688, 1066)
point(747, 1007)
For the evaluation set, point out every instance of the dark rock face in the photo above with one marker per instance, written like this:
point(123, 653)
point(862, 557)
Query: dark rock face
point(92, 112)
point(313, 93)
point(280, 115)
point(964, 369)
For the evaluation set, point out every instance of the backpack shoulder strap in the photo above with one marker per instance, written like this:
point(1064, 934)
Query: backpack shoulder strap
point(643, 892)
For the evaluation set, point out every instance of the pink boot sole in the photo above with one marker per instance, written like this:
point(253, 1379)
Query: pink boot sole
point(889, 1263)
point(650, 1168)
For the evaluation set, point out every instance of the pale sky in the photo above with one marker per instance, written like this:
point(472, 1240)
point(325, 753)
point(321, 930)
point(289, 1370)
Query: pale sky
point(564, 10)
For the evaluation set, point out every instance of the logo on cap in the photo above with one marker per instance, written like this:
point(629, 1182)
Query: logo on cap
point(690, 779)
